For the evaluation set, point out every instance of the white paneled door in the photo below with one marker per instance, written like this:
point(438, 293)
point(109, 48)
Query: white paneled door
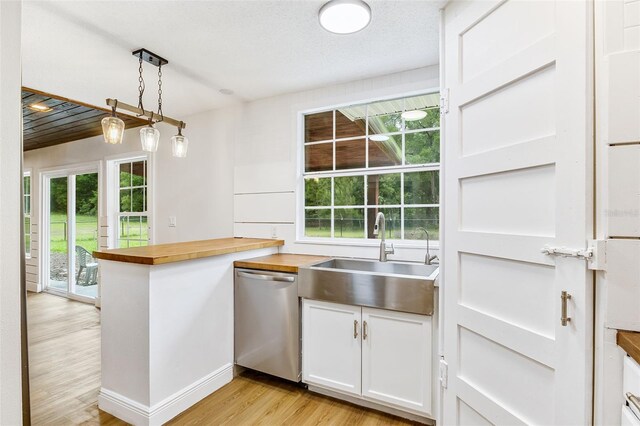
point(518, 168)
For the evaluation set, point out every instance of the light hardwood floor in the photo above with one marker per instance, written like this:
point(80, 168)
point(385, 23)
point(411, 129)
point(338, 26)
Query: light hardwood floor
point(64, 359)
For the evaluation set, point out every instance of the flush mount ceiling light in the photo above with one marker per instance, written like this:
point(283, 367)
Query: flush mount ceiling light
point(379, 138)
point(344, 16)
point(40, 108)
point(113, 127)
point(414, 115)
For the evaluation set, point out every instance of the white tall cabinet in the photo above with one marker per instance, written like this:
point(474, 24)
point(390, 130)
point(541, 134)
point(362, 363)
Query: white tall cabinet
point(617, 82)
point(380, 356)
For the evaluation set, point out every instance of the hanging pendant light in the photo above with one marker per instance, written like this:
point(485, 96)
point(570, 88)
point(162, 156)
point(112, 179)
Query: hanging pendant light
point(179, 144)
point(113, 128)
point(149, 137)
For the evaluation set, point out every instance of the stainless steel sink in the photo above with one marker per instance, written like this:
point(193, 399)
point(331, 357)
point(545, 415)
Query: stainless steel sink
point(398, 286)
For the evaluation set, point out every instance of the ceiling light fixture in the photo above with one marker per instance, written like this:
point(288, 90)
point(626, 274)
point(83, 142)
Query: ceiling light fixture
point(379, 138)
point(40, 108)
point(149, 135)
point(344, 16)
point(179, 144)
point(414, 115)
point(113, 127)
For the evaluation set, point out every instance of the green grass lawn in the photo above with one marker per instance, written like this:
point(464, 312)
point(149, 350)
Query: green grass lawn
point(86, 232)
point(410, 233)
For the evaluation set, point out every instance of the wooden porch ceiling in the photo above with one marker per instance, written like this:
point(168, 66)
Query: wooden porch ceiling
point(67, 121)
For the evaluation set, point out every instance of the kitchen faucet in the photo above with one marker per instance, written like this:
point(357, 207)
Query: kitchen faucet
point(428, 259)
point(384, 251)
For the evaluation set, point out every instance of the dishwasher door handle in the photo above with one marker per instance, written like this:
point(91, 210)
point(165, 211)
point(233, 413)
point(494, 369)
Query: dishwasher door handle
point(266, 277)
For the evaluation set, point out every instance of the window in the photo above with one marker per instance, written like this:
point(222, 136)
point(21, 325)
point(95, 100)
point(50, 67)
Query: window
point(26, 205)
point(133, 217)
point(378, 157)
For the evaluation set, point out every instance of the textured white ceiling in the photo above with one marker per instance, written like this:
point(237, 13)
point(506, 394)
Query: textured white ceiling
point(257, 48)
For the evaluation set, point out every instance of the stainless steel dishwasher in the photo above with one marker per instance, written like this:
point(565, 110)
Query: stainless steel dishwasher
point(267, 322)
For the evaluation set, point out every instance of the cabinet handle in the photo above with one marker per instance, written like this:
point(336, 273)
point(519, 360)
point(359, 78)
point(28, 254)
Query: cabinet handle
point(355, 329)
point(564, 319)
point(364, 330)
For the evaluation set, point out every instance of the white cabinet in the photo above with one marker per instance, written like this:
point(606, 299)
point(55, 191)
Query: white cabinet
point(331, 340)
point(373, 354)
point(396, 358)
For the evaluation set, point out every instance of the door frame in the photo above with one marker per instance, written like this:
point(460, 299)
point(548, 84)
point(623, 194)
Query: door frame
point(44, 179)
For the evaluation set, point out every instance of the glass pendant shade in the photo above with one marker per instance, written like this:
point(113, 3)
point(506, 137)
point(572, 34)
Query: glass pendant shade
point(112, 130)
point(179, 145)
point(149, 137)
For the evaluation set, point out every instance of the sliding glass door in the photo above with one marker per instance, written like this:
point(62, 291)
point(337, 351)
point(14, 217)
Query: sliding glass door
point(58, 234)
point(71, 217)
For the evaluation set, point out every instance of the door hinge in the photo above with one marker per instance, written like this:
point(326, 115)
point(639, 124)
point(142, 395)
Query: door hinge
point(594, 254)
point(444, 373)
point(444, 102)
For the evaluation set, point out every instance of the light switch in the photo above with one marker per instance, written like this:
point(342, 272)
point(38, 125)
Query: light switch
point(172, 221)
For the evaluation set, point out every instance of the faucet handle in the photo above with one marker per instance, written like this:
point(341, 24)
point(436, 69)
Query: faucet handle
point(390, 250)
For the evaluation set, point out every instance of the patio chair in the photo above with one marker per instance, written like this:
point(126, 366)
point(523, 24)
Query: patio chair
point(87, 263)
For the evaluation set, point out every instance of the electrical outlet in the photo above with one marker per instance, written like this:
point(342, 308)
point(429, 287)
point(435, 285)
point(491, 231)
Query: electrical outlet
point(172, 221)
point(274, 232)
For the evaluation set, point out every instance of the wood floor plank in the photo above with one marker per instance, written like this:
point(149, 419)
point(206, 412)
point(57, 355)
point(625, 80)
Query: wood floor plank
point(64, 362)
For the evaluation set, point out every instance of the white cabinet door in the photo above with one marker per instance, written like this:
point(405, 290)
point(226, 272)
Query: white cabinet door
point(396, 359)
point(331, 346)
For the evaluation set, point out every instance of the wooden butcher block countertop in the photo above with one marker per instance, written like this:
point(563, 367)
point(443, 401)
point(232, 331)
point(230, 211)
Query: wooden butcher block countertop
point(630, 342)
point(280, 262)
point(176, 252)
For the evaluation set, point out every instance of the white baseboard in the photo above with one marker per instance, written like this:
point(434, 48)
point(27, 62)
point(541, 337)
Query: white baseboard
point(33, 287)
point(139, 414)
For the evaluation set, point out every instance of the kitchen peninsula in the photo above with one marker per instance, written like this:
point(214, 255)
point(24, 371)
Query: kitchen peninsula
point(167, 324)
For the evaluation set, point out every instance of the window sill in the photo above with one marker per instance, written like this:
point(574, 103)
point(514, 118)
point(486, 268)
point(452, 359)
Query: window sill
point(422, 245)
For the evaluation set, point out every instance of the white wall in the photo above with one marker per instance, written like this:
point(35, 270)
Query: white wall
point(10, 147)
point(266, 159)
point(197, 189)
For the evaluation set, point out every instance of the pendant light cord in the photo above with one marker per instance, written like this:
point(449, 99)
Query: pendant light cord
point(160, 113)
point(141, 86)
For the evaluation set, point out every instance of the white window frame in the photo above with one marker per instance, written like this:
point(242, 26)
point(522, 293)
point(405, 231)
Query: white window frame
point(27, 173)
point(113, 194)
point(301, 175)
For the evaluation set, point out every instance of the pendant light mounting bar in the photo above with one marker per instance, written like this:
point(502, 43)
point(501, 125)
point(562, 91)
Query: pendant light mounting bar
point(150, 57)
point(114, 103)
